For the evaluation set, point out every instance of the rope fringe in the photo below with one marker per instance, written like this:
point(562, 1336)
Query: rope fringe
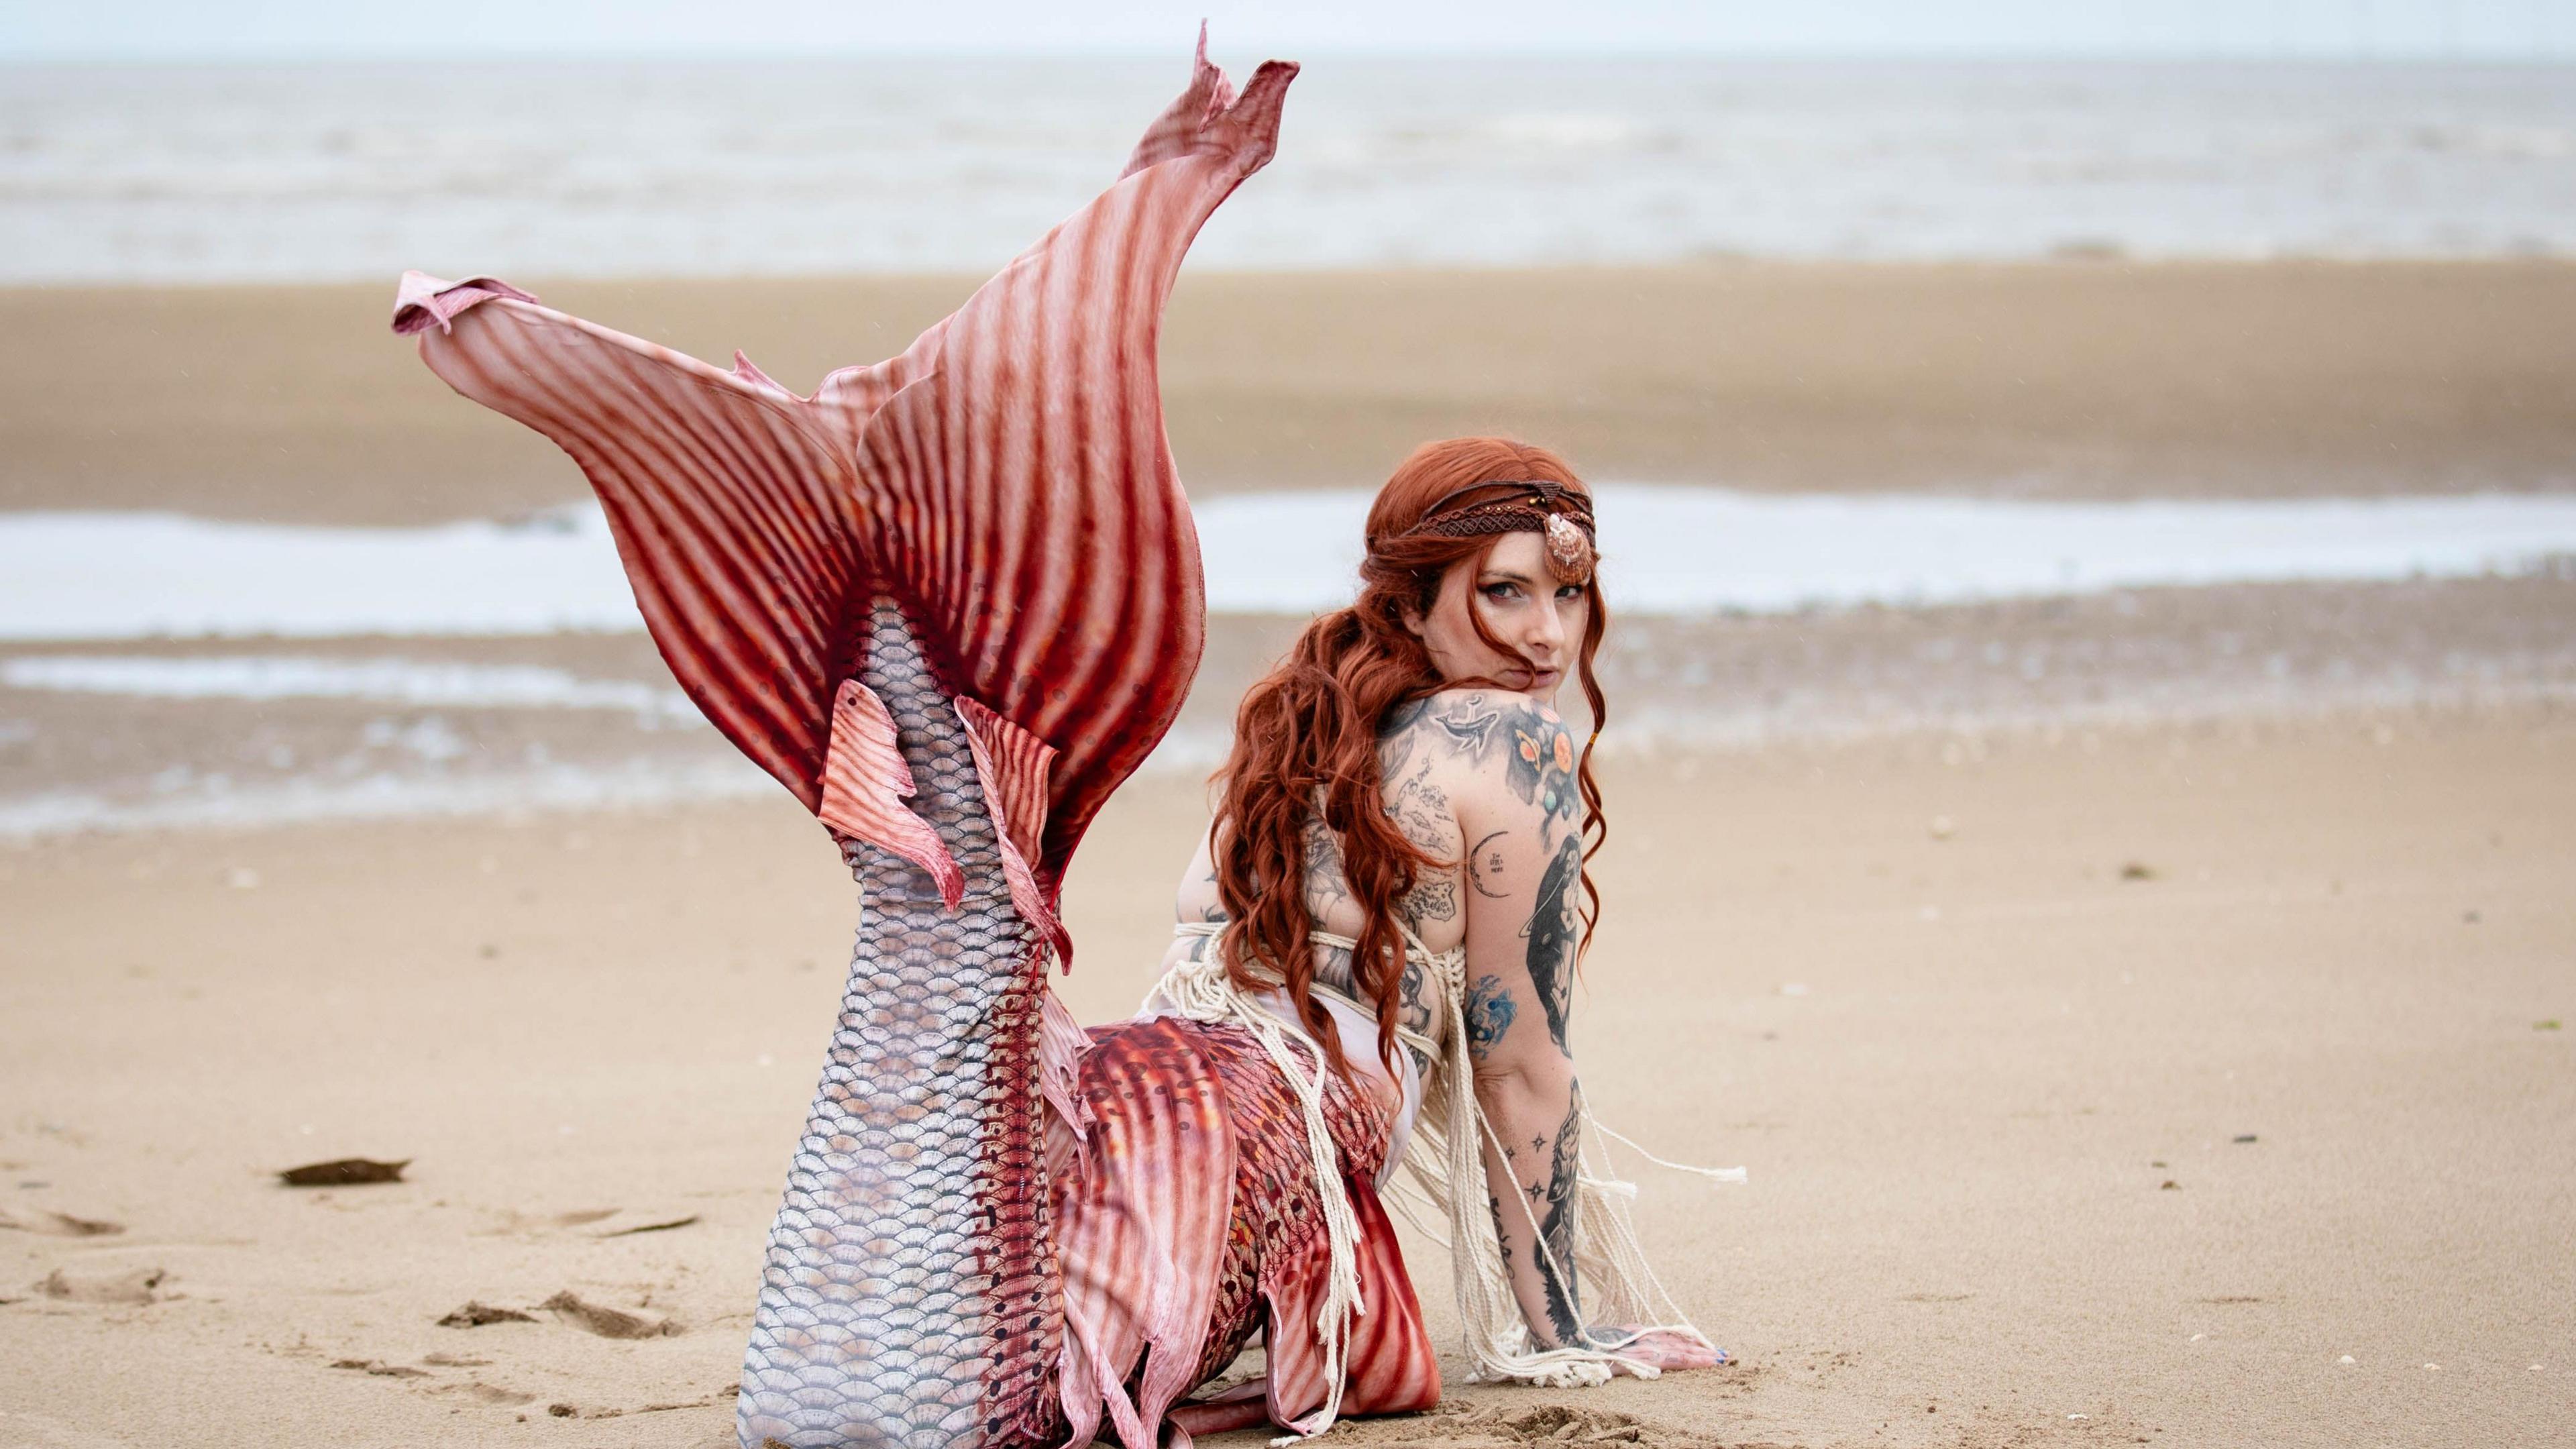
point(1201, 991)
point(1441, 1196)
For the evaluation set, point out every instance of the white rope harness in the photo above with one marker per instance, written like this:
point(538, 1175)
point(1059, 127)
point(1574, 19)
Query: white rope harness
point(1201, 991)
point(1444, 1162)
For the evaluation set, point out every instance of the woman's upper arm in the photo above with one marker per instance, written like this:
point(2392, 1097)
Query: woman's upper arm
point(1524, 873)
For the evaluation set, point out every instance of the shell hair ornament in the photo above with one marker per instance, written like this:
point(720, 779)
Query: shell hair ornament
point(1561, 515)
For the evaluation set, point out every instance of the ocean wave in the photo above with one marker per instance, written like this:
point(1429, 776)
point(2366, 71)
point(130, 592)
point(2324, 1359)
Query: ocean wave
point(142, 174)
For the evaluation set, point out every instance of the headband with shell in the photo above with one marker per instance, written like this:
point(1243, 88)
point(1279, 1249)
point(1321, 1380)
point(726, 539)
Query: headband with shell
point(1559, 514)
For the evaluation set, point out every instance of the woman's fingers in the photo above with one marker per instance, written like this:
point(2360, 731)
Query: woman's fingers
point(1669, 1352)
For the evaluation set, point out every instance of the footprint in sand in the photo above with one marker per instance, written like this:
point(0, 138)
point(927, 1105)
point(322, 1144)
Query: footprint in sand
point(58, 1225)
point(605, 1321)
point(608, 1222)
point(477, 1313)
point(96, 1285)
point(380, 1369)
point(483, 1393)
point(1457, 1426)
point(474, 1389)
point(633, 1223)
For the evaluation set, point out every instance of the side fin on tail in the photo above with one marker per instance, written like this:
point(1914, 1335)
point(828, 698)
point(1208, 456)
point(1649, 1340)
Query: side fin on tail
point(865, 782)
point(1011, 764)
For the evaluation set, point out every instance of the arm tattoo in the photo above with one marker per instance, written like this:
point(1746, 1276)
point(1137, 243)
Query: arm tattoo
point(1468, 726)
point(1551, 933)
point(1556, 1228)
point(1478, 869)
point(1540, 768)
point(1489, 1014)
point(1536, 751)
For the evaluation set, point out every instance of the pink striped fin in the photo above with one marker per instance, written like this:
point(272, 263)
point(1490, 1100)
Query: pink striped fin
point(1061, 1044)
point(423, 301)
point(733, 508)
point(1292, 1292)
point(749, 371)
point(865, 783)
point(1389, 1364)
point(1177, 129)
point(1391, 1367)
point(1006, 477)
point(1014, 765)
point(1022, 495)
point(1141, 1236)
point(1010, 764)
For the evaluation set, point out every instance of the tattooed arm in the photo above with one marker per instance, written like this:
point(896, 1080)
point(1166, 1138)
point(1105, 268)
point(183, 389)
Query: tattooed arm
point(1524, 878)
point(1517, 808)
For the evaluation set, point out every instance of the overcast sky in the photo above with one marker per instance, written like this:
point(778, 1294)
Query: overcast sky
point(299, 29)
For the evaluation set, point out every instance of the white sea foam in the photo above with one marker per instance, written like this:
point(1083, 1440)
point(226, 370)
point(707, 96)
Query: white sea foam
point(1669, 550)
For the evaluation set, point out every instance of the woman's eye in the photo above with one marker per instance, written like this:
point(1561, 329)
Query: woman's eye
point(1500, 593)
point(1570, 591)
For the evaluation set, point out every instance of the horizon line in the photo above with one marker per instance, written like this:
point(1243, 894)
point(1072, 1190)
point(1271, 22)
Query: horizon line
point(2222, 55)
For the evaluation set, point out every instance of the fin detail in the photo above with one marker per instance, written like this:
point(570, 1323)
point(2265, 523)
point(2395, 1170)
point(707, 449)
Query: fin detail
point(865, 783)
point(1012, 765)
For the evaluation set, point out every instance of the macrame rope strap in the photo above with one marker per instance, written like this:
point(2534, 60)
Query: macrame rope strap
point(1445, 1200)
point(1202, 991)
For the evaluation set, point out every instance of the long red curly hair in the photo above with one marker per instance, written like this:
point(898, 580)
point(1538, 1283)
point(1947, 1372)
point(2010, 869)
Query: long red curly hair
point(1309, 730)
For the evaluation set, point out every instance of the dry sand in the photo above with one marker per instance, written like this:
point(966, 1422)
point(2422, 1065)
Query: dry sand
point(2073, 378)
point(1962, 1070)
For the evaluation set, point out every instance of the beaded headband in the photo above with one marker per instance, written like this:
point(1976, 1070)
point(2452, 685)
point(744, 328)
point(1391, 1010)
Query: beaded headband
point(1561, 515)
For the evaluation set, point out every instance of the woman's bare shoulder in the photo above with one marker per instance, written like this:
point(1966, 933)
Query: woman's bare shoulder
point(1492, 744)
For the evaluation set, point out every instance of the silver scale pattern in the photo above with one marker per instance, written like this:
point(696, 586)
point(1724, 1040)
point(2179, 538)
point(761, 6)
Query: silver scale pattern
point(879, 1306)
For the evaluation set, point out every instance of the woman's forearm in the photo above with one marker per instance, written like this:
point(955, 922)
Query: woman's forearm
point(1532, 1160)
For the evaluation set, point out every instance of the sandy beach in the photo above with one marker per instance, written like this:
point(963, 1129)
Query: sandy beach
point(2097, 1092)
point(2082, 379)
point(2143, 1014)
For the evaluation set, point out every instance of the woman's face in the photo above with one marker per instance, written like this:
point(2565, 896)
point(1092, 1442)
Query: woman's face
point(1522, 604)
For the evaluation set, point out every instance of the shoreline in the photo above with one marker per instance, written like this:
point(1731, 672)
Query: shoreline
point(136, 734)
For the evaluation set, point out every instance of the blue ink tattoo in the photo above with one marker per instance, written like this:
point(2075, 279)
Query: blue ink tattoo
point(1489, 1015)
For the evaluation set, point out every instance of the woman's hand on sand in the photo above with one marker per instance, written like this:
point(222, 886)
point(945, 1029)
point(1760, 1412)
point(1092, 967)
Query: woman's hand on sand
point(1668, 1351)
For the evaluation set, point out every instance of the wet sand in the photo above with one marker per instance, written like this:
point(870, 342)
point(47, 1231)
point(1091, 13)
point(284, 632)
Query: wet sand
point(2077, 378)
point(1986, 1022)
point(2247, 653)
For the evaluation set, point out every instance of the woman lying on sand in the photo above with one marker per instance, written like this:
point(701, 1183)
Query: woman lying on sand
point(951, 601)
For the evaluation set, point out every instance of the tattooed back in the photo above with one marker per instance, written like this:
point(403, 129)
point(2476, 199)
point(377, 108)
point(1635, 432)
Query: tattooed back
point(1482, 780)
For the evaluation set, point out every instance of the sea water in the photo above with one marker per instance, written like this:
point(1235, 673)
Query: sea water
point(1671, 550)
point(552, 169)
